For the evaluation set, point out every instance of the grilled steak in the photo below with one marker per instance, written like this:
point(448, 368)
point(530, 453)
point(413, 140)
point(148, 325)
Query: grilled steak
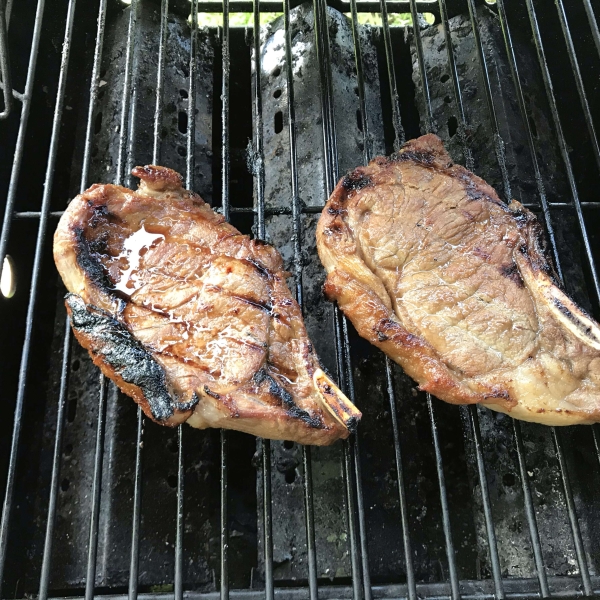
point(191, 318)
point(431, 267)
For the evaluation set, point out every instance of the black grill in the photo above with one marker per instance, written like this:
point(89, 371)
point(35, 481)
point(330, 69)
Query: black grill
point(428, 500)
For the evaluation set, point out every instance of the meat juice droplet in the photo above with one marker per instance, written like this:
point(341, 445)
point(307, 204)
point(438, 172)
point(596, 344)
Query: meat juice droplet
point(134, 247)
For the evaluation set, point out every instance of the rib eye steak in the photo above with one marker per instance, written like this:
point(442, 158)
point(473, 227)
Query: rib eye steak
point(191, 318)
point(454, 285)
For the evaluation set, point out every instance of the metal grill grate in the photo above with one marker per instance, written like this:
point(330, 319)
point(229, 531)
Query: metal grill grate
point(584, 581)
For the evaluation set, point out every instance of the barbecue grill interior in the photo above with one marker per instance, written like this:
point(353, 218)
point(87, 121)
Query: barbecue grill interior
point(428, 499)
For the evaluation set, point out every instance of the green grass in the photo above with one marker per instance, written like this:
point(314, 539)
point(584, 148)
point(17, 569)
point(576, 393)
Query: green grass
point(247, 20)
point(235, 19)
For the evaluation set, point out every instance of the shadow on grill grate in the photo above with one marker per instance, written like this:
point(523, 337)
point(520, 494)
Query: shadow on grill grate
point(262, 107)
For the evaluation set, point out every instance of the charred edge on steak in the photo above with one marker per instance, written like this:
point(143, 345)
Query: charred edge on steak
point(99, 214)
point(262, 270)
point(295, 412)
point(352, 424)
point(474, 193)
point(540, 258)
point(185, 406)
point(334, 211)
point(262, 305)
point(423, 158)
point(126, 356)
point(356, 180)
point(210, 393)
point(88, 263)
point(586, 330)
point(512, 272)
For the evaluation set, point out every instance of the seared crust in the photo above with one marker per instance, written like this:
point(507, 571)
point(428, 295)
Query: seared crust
point(190, 318)
point(454, 285)
point(124, 360)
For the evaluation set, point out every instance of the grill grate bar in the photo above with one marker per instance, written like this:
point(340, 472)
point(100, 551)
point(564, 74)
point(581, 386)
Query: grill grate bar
point(36, 269)
point(367, 155)
point(258, 164)
point(429, 124)
point(579, 550)
point(128, 88)
point(321, 45)
point(410, 576)
point(362, 526)
point(311, 550)
point(138, 483)
point(137, 508)
point(134, 553)
point(160, 76)
point(5, 65)
point(20, 145)
point(306, 210)
point(56, 460)
point(357, 468)
point(581, 558)
point(468, 154)
point(15, 94)
point(498, 142)
point(191, 121)
point(354, 451)
point(596, 437)
point(296, 209)
point(224, 534)
point(258, 169)
point(399, 137)
point(358, 61)
point(189, 180)
point(530, 512)
point(342, 346)
point(452, 568)
point(593, 24)
point(267, 519)
point(94, 83)
point(587, 113)
point(474, 420)
point(126, 137)
point(564, 475)
point(329, 137)
point(225, 112)
point(351, 509)
point(178, 578)
point(90, 579)
point(487, 507)
point(564, 149)
point(526, 121)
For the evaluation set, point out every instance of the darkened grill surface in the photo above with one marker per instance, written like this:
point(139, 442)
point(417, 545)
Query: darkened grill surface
point(428, 500)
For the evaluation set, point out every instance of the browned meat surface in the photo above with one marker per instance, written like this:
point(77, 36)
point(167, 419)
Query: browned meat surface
point(191, 318)
point(431, 267)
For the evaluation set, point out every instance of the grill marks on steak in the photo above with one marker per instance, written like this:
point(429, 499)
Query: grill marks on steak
point(191, 318)
point(454, 285)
